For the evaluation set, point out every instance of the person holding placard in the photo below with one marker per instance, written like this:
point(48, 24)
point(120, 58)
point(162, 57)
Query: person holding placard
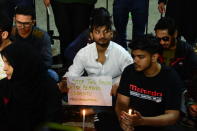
point(103, 57)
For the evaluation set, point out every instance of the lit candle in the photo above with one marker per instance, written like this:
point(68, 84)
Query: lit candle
point(84, 113)
point(130, 111)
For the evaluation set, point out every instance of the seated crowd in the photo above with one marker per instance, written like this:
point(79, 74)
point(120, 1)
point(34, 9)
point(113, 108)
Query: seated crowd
point(157, 80)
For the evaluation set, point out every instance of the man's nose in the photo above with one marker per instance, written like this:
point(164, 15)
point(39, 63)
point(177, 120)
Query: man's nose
point(135, 60)
point(22, 26)
point(162, 42)
point(102, 35)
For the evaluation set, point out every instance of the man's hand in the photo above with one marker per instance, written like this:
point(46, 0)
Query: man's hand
point(131, 119)
point(126, 122)
point(161, 8)
point(63, 85)
point(114, 89)
point(47, 2)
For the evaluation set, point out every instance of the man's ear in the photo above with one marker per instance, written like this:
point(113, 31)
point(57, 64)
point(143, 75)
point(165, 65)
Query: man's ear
point(155, 57)
point(33, 22)
point(91, 36)
point(4, 35)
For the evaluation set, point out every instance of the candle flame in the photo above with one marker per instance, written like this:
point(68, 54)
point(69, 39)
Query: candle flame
point(130, 111)
point(84, 112)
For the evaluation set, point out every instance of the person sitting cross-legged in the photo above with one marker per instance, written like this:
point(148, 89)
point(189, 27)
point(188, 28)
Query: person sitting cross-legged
point(177, 54)
point(103, 57)
point(151, 90)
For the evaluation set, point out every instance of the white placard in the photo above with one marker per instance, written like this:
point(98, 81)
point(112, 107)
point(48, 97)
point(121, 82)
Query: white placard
point(89, 91)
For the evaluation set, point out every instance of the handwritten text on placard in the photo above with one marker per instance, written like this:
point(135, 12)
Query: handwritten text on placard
point(89, 91)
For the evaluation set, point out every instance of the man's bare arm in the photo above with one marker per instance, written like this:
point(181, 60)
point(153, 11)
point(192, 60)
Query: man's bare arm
point(122, 104)
point(169, 118)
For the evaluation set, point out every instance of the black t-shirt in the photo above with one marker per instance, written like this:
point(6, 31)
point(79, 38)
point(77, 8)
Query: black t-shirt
point(151, 96)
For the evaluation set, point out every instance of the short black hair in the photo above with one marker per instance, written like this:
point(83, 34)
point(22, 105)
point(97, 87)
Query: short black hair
point(166, 23)
point(5, 23)
point(100, 17)
point(25, 10)
point(147, 43)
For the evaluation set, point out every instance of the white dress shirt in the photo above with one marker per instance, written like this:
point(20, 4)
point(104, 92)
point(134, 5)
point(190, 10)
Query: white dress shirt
point(117, 58)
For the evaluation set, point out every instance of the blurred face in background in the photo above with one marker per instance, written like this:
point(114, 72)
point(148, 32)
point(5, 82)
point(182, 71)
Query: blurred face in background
point(24, 24)
point(166, 40)
point(7, 68)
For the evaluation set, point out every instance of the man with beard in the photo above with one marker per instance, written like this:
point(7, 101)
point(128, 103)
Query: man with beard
point(177, 54)
point(103, 57)
point(150, 89)
point(182, 11)
point(5, 31)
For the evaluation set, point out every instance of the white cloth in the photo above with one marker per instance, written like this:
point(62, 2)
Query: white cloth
point(2, 72)
point(117, 58)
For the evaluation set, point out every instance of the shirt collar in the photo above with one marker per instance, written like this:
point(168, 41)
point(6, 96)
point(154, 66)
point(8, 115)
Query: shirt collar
point(109, 48)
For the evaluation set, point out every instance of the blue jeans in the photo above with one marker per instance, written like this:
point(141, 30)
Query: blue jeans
point(121, 10)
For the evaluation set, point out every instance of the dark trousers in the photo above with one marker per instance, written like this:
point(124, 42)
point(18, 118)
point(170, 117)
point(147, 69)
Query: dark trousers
point(182, 11)
point(121, 10)
point(106, 121)
point(70, 20)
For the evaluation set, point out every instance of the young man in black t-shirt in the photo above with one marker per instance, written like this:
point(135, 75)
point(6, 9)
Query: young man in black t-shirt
point(152, 90)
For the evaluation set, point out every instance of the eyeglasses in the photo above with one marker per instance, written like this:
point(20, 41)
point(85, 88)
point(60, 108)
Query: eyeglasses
point(23, 24)
point(165, 38)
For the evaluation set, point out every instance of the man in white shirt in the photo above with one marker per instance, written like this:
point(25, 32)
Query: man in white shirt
point(5, 30)
point(101, 58)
